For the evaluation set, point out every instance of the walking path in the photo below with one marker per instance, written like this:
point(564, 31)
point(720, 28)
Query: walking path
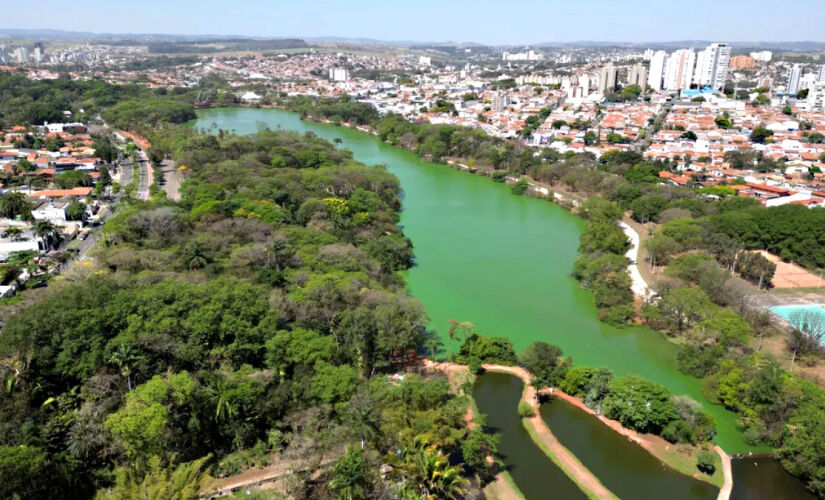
point(725, 491)
point(639, 285)
point(568, 462)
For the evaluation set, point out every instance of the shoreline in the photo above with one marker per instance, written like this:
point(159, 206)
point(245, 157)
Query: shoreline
point(644, 440)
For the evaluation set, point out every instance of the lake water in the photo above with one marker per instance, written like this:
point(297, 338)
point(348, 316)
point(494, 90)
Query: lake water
point(500, 261)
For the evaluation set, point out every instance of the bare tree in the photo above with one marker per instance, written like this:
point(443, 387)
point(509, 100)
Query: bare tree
point(807, 333)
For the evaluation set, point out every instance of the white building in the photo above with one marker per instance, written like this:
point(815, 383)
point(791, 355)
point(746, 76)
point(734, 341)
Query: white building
point(762, 56)
point(425, 60)
point(679, 69)
point(657, 70)
point(52, 212)
point(820, 76)
point(339, 74)
point(794, 77)
point(607, 78)
point(712, 66)
point(637, 75)
point(816, 97)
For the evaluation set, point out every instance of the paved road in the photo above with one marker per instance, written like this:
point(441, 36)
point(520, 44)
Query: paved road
point(143, 185)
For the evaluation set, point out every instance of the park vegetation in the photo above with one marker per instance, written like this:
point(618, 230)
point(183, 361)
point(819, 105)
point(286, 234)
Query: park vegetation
point(256, 318)
point(706, 237)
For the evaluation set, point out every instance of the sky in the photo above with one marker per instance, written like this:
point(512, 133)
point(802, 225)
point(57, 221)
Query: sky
point(502, 22)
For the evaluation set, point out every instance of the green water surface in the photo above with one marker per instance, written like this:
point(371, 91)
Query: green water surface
point(500, 261)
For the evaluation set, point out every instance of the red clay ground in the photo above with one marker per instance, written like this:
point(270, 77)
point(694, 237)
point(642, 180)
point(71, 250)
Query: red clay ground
point(790, 275)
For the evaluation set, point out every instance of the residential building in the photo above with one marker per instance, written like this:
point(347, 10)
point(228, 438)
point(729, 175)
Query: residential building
point(607, 78)
point(637, 75)
point(679, 69)
point(4, 55)
point(338, 74)
point(816, 97)
point(53, 212)
point(742, 62)
point(794, 77)
point(762, 56)
point(22, 55)
point(499, 102)
point(712, 66)
point(424, 60)
point(820, 76)
point(657, 70)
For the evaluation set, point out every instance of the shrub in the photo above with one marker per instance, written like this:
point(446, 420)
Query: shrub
point(706, 462)
point(525, 410)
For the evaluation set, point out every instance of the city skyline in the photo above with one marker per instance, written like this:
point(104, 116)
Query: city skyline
point(461, 21)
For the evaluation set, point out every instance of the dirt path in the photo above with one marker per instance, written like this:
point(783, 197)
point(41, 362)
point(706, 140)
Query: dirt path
point(561, 455)
point(725, 491)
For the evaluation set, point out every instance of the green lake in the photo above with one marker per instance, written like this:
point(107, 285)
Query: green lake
point(500, 261)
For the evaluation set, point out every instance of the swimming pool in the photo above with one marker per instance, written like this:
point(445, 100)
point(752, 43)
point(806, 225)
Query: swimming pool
point(786, 312)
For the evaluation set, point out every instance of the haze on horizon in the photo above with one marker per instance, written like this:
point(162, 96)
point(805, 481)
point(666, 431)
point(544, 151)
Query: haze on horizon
point(482, 21)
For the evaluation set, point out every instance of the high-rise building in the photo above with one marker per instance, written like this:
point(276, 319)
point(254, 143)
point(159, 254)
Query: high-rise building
point(584, 84)
point(22, 55)
point(816, 97)
point(742, 62)
point(679, 69)
point(648, 54)
point(499, 102)
point(657, 70)
point(338, 74)
point(4, 55)
point(820, 76)
point(762, 56)
point(712, 66)
point(607, 78)
point(794, 77)
point(37, 54)
point(637, 75)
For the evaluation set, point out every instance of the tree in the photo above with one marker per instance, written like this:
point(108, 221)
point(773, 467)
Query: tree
point(43, 229)
point(350, 475)
point(706, 462)
point(123, 358)
point(73, 179)
point(683, 307)
point(639, 404)
point(186, 481)
point(13, 233)
point(723, 122)
point(13, 204)
point(25, 472)
point(546, 364)
point(759, 135)
point(689, 135)
point(755, 268)
point(648, 207)
point(428, 473)
point(76, 211)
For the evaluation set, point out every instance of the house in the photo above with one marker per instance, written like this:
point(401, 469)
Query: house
point(54, 212)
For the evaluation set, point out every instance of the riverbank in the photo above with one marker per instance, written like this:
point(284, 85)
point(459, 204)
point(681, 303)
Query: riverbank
point(679, 457)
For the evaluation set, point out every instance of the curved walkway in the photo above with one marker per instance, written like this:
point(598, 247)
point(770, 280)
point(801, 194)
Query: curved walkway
point(639, 285)
point(568, 462)
point(727, 487)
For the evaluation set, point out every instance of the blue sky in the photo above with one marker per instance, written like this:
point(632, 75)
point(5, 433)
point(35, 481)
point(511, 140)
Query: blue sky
point(485, 21)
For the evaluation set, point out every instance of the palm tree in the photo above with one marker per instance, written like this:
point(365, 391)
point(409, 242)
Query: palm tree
point(350, 476)
point(430, 474)
point(224, 407)
point(44, 229)
point(362, 421)
point(123, 358)
point(195, 255)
